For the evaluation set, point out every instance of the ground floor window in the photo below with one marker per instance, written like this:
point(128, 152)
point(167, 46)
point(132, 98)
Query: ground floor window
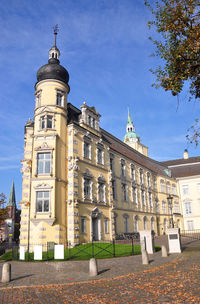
point(83, 225)
point(126, 224)
point(136, 224)
point(190, 225)
point(152, 224)
point(145, 222)
point(106, 225)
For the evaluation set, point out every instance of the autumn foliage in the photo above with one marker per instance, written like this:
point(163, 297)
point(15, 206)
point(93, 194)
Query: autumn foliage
point(177, 21)
point(3, 209)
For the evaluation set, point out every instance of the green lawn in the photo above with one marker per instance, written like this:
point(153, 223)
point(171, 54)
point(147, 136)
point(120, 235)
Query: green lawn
point(86, 251)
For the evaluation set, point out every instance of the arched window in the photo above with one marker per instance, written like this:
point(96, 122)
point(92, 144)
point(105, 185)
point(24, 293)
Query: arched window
point(165, 224)
point(141, 176)
point(168, 187)
point(164, 207)
point(145, 222)
point(132, 172)
point(136, 221)
point(125, 223)
point(152, 223)
point(148, 179)
point(162, 185)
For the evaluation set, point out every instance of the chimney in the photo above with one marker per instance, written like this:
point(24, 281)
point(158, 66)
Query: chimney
point(185, 154)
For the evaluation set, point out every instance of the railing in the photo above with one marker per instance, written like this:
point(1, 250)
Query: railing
point(94, 249)
point(193, 234)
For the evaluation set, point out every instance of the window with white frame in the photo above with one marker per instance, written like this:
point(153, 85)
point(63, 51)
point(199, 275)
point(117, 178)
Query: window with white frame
point(155, 182)
point(99, 156)
point(143, 198)
point(162, 185)
point(123, 168)
point(101, 192)
point(136, 220)
point(86, 150)
point(190, 225)
point(87, 188)
point(185, 189)
point(157, 205)
point(43, 163)
point(126, 223)
point(132, 172)
point(106, 225)
point(164, 207)
point(174, 189)
point(165, 224)
point(114, 193)
point(152, 224)
point(83, 224)
point(148, 179)
point(188, 207)
point(46, 122)
point(168, 187)
point(176, 207)
point(112, 163)
point(42, 201)
point(38, 100)
point(145, 222)
point(141, 176)
point(134, 194)
point(124, 192)
point(60, 99)
point(150, 199)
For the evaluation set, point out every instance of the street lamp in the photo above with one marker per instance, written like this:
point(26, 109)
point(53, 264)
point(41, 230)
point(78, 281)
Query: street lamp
point(170, 199)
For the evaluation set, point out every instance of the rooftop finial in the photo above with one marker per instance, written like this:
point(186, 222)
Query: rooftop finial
point(55, 29)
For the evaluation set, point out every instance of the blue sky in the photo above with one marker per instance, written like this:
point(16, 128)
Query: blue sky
point(105, 47)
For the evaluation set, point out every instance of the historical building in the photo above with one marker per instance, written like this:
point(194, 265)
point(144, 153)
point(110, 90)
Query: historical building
point(79, 181)
point(186, 170)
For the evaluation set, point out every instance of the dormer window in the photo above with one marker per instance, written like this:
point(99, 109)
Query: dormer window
point(90, 116)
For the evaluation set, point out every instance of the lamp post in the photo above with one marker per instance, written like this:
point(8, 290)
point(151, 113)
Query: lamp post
point(170, 199)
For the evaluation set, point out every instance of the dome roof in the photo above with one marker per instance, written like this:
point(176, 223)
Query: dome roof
point(53, 70)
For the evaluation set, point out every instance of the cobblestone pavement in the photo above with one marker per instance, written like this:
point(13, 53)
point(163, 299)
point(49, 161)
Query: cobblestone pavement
point(176, 280)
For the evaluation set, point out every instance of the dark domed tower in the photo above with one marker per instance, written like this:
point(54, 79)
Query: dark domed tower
point(45, 156)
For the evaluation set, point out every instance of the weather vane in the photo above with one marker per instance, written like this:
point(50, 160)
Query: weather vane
point(55, 29)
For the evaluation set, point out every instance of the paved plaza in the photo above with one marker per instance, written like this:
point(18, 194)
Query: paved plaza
point(174, 279)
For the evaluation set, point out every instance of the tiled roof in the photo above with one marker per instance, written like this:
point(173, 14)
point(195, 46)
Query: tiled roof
point(184, 167)
point(187, 170)
point(122, 148)
point(181, 161)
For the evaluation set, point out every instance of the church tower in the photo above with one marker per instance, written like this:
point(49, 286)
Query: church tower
point(132, 139)
point(11, 206)
point(44, 193)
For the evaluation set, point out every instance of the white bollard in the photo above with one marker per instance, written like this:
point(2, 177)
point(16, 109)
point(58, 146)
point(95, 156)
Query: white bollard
point(6, 273)
point(145, 257)
point(164, 251)
point(93, 271)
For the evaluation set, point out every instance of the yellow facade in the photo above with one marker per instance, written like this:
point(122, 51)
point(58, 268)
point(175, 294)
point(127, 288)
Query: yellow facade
point(77, 186)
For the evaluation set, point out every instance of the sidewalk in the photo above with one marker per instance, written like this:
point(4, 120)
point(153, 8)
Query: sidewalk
point(174, 279)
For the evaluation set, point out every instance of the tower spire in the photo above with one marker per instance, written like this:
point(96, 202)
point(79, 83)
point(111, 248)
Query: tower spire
point(55, 29)
point(12, 200)
point(54, 51)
